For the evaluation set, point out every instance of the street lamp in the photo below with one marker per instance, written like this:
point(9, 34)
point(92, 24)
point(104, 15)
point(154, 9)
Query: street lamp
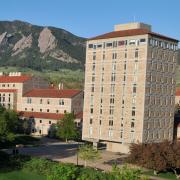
point(77, 157)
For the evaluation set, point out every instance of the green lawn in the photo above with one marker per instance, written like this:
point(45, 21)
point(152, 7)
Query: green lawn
point(167, 175)
point(20, 175)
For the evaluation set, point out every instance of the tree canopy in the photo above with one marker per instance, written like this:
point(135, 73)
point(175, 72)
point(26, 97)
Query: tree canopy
point(66, 128)
point(157, 156)
point(8, 124)
point(88, 153)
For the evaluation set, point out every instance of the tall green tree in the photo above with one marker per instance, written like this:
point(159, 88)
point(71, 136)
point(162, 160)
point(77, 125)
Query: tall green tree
point(8, 124)
point(66, 128)
point(88, 153)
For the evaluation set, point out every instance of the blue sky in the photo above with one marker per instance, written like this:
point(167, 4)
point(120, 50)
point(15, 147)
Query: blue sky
point(88, 18)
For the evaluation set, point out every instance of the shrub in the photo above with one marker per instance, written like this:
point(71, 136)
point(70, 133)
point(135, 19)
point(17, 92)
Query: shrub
point(39, 166)
point(63, 172)
point(126, 172)
point(90, 173)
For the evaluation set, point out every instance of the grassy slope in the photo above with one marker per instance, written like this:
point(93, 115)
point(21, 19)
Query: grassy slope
point(167, 175)
point(20, 175)
point(71, 79)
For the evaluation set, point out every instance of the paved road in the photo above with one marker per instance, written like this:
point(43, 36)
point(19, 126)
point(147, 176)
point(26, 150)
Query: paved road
point(67, 152)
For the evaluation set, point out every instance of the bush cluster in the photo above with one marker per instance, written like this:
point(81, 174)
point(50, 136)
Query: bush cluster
point(160, 157)
point(62, 171)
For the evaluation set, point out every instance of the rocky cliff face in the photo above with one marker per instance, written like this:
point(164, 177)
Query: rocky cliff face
point(36, 47)
point(46, 41)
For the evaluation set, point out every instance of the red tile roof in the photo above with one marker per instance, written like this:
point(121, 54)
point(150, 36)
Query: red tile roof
point(14, 79)
point(131, 32)
point(178, 92)
point(8, 90)
point(41, 115)
point(52, 93)
point(44, 115)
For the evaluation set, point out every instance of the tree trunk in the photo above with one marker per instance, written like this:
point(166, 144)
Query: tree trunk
point(66, 140)
point(155, 172)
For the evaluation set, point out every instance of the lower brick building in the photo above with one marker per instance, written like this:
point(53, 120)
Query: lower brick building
point(36, 100)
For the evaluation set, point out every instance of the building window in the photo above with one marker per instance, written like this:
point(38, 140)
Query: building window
point(48, 101)
point(65, 111)
point(32, 109)
point(113, 77)
point(57, 111)
point(13, 85)
point(99, 46)
point(133, 113)
point(93, 67)
point(47, 110)
point(90, 121)
point(94, 55)
point(40, 121)
point(136, 54)
point(25, 109)
point(110, 122)
point(91, 110)
point(40, 110)
point(108, 44)
point(93, 78)
point(124, 78)
point(134, 88)
point(29, 100)
point(92, 88)
point(90, 46)
point(111, 100)
point(111, 110)
point(61, 102)
point(121, 134)
point(132, 124)
point(114, 55)
point(114, 66)
point(132, 42)
point(112, 88)
point(125, 66)
point(142, 41)
point(102, 89)
point(121, 43)
point(125, 55)
point(49, 122)
point(41, 101)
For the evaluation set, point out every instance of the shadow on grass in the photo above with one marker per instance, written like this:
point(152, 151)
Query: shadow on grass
point(19, 139)
point(10, 163)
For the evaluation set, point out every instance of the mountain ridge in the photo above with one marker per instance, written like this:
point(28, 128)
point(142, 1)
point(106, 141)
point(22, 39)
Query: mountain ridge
point(40, 47)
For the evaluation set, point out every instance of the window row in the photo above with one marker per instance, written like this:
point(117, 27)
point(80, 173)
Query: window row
point(29, 101)
point(42, 110)
point(114, 44)
point(115, 55)
point(7, 85)
point(163, 44)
